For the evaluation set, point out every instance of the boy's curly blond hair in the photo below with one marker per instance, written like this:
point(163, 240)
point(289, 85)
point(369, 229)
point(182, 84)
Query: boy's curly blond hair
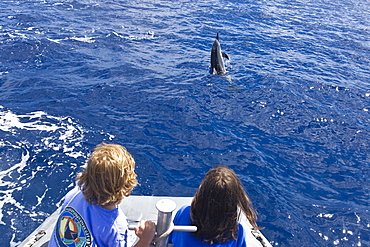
point(109, 175)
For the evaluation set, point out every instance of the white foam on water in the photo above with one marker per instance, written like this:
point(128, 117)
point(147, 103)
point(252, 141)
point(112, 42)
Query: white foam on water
point(27, 135)
point(7, 196)
point(83, 39)
point(325, 215)
point(61, 128)
point(10, 122)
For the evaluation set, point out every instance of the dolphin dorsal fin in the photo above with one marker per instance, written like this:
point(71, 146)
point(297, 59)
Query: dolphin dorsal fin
point(225, 55)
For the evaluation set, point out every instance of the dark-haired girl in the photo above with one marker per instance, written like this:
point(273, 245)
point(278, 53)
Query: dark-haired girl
point(215, 212)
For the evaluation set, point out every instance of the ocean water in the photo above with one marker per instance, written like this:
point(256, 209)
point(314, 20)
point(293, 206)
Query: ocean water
point(291, 116)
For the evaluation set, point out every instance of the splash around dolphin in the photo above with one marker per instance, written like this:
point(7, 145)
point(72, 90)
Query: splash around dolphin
point(217, 61)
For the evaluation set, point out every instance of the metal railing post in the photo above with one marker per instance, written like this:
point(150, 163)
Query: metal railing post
point(165, 208)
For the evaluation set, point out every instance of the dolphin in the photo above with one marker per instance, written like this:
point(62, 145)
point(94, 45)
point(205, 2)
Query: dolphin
point(217, 62)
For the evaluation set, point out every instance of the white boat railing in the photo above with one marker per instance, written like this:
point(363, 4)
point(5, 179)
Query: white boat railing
point(165, 208)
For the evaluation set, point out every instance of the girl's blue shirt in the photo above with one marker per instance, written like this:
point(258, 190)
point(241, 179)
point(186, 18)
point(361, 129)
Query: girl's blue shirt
point(186, 239)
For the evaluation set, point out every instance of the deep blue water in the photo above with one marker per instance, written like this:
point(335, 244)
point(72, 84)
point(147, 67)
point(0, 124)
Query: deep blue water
point(291, 117)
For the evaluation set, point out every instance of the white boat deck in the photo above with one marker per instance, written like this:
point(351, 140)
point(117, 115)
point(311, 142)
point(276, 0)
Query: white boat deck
point(138, 208)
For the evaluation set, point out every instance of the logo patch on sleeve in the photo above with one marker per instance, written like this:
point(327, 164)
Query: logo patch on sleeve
point(71, 230)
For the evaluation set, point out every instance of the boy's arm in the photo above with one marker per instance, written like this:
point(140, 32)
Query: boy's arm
point(145, 230)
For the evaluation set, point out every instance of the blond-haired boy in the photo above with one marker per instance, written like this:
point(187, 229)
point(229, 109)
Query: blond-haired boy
point(90, 215)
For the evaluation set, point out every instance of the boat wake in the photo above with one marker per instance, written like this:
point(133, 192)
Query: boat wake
point(34, 145)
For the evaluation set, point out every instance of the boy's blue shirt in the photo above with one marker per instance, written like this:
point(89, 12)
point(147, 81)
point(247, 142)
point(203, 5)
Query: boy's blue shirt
point(83, 224)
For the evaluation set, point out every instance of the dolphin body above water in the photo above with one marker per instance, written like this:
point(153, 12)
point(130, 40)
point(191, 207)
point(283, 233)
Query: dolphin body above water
point(217, 61)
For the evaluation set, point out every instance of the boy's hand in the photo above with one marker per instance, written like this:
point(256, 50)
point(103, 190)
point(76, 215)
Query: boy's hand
point(145, 230)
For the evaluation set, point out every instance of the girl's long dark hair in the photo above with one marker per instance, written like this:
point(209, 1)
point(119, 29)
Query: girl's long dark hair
point(214, 209)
